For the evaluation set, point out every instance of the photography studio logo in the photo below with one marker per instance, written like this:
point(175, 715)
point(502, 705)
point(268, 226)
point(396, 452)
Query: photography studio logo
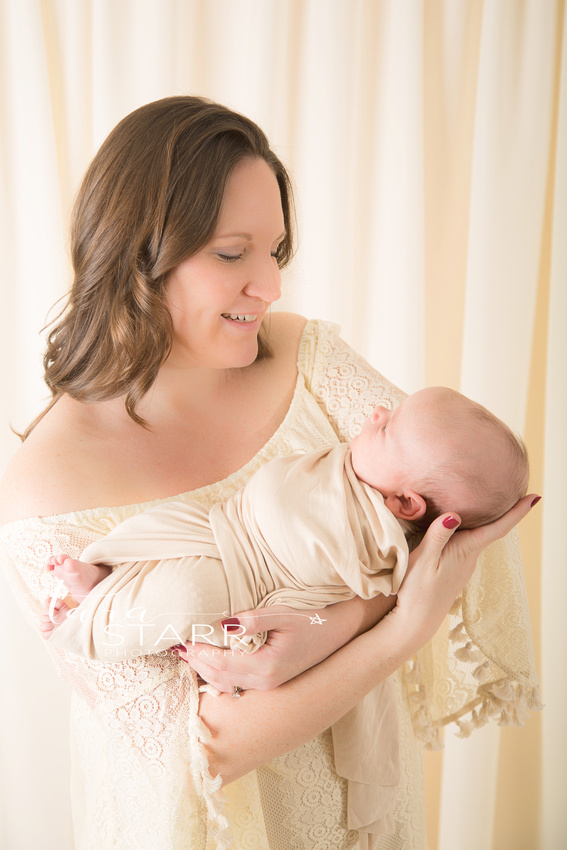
point(134, 633)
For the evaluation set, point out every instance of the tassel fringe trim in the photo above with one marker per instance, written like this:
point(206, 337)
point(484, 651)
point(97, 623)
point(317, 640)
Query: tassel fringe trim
point(209, 788)
point(506, 701)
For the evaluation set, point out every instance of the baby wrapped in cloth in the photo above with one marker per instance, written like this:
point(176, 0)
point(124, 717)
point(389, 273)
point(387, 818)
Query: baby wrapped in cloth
point(303, 532)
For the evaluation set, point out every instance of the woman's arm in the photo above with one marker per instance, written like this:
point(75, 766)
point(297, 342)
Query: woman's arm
point(270, 724)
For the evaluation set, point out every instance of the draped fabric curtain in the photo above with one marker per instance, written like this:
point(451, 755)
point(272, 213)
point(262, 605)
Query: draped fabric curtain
point(428, 146)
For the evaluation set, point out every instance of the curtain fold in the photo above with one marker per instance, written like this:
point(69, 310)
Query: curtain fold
point(422, 139)
point(511, 159)
point(554, 575)
point(512, 149)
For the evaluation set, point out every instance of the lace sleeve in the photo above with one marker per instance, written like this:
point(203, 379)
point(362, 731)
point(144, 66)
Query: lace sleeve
point(140, 737)
point(26, 546)
point(345, 386)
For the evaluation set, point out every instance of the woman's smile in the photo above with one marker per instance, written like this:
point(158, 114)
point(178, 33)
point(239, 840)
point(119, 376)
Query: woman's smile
point(246, 318)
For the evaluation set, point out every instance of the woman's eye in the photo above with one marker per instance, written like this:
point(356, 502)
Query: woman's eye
point(229, 258)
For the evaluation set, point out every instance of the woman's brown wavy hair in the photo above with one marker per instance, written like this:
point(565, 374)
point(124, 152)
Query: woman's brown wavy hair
point(150, 198)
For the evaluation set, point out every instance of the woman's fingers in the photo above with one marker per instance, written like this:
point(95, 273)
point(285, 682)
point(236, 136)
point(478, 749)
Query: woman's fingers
point(437, 536)
point(296, 640)
point(443, 563)
point(487, 534)
point(437, 571)
point(266, 619)
point(227, 668)
point(231, 665)
point(471, 542)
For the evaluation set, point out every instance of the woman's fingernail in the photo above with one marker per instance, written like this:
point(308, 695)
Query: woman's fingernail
point(178, 646)
point(231, 624)
point(450, 522)
point(535, 501)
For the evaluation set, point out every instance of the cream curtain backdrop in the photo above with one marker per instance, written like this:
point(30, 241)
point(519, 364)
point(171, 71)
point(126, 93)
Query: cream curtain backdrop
point(428, 146)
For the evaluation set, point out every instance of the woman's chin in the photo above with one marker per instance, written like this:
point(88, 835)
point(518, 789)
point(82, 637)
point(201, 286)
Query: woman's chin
point(238, 356)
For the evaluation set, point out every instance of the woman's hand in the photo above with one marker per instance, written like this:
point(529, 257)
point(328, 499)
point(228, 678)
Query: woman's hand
point(297, 640)
point(443, 563)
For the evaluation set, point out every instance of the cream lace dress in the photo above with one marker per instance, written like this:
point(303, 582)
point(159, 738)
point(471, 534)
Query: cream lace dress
point(140, 778)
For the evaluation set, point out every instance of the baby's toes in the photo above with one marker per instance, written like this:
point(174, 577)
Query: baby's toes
point(46, 626)
point(54, 562)
point(55, 613)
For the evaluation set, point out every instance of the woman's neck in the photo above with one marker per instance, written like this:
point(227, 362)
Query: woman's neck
point(187, 391)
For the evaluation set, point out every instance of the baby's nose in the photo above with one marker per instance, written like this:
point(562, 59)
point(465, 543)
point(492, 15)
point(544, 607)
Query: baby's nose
point(379, 412)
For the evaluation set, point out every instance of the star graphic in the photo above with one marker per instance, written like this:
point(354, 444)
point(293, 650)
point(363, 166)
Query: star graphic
point(316, 620)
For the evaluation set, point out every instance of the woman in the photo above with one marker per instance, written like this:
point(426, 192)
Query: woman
point(168, 377)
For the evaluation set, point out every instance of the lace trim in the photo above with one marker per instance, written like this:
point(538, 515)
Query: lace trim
point(505, 700)
point(344, 385)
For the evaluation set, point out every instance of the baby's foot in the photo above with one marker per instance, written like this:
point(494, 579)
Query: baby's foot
point(55, 613)
point(78, 577)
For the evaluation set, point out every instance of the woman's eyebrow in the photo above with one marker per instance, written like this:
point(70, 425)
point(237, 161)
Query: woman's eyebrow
point(248, 236)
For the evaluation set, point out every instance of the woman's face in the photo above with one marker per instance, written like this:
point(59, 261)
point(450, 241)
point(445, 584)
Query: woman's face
point(218, 297)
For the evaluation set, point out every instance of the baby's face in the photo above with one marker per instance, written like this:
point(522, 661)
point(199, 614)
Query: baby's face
point(398, 448)
point(436, 445)
point(391, 443)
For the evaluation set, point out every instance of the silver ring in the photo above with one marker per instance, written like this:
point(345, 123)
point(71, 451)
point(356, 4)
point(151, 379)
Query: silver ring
point(236, 692)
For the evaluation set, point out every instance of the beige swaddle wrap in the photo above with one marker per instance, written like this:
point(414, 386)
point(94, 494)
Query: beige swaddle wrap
point(303, 532)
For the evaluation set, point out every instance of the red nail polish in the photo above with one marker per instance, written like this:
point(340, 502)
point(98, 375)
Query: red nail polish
point(535, 501)
point(231, 624)
point(450, 522)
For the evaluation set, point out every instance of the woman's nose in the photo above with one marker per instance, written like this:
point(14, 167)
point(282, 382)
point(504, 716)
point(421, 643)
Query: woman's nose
point(265, 281)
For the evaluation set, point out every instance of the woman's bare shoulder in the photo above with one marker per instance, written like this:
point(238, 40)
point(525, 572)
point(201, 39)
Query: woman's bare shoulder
point(52, 472)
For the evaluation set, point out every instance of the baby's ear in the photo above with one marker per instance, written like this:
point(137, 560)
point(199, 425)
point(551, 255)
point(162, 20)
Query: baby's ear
point(408, 505)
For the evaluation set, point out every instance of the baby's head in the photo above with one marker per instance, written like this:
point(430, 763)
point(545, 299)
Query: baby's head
point(439, 451)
